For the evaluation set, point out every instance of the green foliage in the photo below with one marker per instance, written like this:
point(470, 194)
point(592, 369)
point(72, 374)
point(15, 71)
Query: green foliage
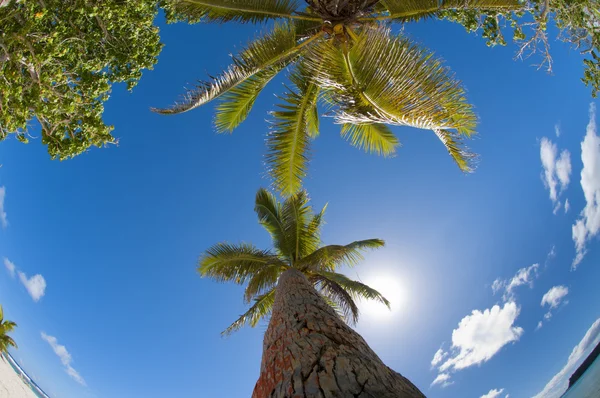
point(228, 10)
point(578, 22)
point(5, 328)
point(295, 232)
point(58, 61)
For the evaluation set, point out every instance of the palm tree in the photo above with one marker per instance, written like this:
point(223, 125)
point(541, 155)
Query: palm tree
point(307, 347)
point(5, 328)
point(345, 57)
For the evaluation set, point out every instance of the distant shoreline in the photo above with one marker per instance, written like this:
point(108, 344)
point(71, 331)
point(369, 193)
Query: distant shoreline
point(584, 366)
point(37, 390)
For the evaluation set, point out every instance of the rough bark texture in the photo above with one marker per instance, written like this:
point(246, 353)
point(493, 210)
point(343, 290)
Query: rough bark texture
point(308, 351)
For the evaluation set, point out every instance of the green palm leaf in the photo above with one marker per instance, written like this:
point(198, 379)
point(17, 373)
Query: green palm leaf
point(339, 296)
point(232, 10)
point(227, 262)
point(413, 10)
point(387, 79)
point(372, 138)
point(268, 210)
point(312, 238)
point(332, 256)
point(236, 103)
point(357, 290)
point(261, 308)
point(273, 50)
point(293, 124)
point(263, 280)
point(295, 215)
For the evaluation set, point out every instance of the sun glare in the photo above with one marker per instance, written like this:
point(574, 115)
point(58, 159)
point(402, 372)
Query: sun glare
point(392, 289)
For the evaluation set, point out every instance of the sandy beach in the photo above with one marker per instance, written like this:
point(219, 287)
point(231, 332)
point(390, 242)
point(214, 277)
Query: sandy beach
point(11, 385)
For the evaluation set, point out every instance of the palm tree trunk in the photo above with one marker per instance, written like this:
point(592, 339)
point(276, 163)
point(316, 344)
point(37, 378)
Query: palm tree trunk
point(308, 351)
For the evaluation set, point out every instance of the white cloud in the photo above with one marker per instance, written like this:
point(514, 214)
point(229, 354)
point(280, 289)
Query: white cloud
point(563, 169)
point(481, 335)
point(443, 379)
point(554, 296)
point(557, 130)
point(588, 224)
point(557, 170)
point(10, 266)
point(3, 218)
point(524, 276)
point(438, 357)
point(36, 285)
point(493, 393)
point(567, 206)
point(548, 156)
point(539, 325)
point(65, 357)
point(559, 383)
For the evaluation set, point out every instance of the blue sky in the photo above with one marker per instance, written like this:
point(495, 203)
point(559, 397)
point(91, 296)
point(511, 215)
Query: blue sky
point(119, 310)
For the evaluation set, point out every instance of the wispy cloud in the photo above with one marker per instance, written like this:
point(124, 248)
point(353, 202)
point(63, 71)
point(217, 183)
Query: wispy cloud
point(481, 335)
point(36, 285)
point(557, 130)
point(524, 276)
point(10, 267)
point(553, 298)
point(438, 357)
point(557, 170)
point(588, 224)
point(493, 393)
point(3, 217)
point(65, 357)
point(443, 379)
point(567, 206)
point(559, 383)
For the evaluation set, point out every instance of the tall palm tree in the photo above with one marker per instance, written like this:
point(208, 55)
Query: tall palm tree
point(307, 347)
point(5, 328)
point(344, 56)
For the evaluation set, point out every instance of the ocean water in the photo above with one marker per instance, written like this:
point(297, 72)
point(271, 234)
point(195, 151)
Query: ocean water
point(588, 385)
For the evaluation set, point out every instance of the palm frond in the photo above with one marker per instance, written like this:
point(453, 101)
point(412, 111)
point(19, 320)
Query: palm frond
point(330, 257)
point(295, 215)
point(5, 342)
point(336, 293)
point(269, 210)
point(232, 10)
point(264, 280)
point(372, 138)
point(7, 326)
point(357, 290)
point(336, 307)
point(228, 262)
point(261, 308)
point(236, 104)
point(387, 79)
point(452, 141)
point(273, 50)
point(414, 10)
point(312, 238)
point(293, 124)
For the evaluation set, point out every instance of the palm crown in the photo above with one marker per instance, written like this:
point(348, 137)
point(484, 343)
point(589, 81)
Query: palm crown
point(345, 57)
point(5, 328)
point(295, 231)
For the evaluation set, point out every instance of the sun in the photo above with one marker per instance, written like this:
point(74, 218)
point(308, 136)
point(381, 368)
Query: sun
point(392, 289)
